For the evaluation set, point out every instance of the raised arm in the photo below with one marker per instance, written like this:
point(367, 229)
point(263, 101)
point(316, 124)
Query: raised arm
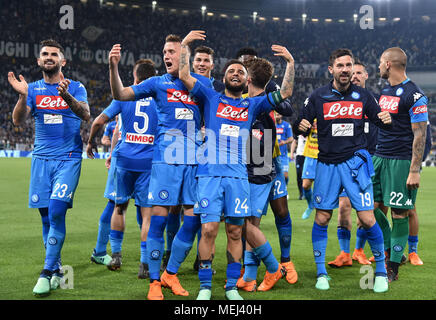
point(80, 108)
point(287, 86)
point(21, 110)
point(119, 92)
point(184, 66)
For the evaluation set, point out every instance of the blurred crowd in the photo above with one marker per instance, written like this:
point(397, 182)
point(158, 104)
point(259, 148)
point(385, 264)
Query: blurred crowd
point(144, 30)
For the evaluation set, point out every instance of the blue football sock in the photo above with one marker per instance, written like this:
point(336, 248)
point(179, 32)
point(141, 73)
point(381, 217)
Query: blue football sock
point(319, 243)
point(376, 242)
point(104, 228)
point(344, 236)
point(205, 274)
point(55, 239)
point(155, 245)
point(116, 240)
point(45, 224)
point(183, 241)
point(144, 252)
point(308, 196)
point(233, 272)
point(284, 229)
point(139, 216)
point(361, 237)
point(413, 244)
point(173, 225)
point(251, 264)
point(264, 253)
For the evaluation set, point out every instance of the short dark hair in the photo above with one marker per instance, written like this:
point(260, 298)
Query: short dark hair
point(173, 38)
point(204, 49)
point(339, 53)
point(144, 69)
point(52, 43)
point(246, 51)
point(358, 62)
point(260, 71)
point(233, 61)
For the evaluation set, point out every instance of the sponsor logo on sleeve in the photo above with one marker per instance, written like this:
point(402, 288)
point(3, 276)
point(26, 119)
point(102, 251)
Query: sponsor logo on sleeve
point(419, 109)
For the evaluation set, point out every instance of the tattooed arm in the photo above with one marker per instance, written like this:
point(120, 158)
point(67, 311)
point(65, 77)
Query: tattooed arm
point(287, 86)
point(184, 66)
point(80, 108)
point(419, 132)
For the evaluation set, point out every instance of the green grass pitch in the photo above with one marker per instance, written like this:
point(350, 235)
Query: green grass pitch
point(22, 253)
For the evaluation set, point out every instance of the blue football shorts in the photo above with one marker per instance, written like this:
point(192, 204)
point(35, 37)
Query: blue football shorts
point(309, 168)
point(259, 195)
point(172, 184)
point(216, 195)
point(53, 179)
point(331, 180)
point(132, 184)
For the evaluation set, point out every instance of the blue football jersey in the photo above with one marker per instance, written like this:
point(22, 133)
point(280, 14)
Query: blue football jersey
point(284, 132)
point(407, 104)
point(109, 130)
point(228, 122)
point(179, 117)
point(341, 120)
point(138, 127)
point(57, 128)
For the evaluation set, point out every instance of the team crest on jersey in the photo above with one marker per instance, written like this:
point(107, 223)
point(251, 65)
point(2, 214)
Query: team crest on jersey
point(164, 194)
point(245, 103)
point(174, 95)
point(399, 91)
point(230, 112)
point(389, 103)
point(355, 95)
point(204, 203)
point(34, 198)
point(343, 110)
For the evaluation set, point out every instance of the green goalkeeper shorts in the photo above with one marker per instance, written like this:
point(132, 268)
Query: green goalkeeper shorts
point(389, 183)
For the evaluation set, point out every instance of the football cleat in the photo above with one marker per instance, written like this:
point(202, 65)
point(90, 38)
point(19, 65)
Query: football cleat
point(172, 282)
point(249, 286)
point(381, 284)
point(270, 279)
point(155, 291)
point(233, 294)
point(414, 259)
point(359, 256)
point(342, 260)
point(115, 263)
point(291, 273)
point(143, 272)
point(104, 259)
point(322, 282)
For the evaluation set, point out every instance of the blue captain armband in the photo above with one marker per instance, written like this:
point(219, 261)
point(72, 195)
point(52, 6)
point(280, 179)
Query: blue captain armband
point(277, 98)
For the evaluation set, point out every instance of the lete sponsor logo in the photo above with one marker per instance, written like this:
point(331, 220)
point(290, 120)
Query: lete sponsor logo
point(227, 111)
point(389, 103)
point(50, 102)
point(174, 95)
point(343, 110)
point(419, 109)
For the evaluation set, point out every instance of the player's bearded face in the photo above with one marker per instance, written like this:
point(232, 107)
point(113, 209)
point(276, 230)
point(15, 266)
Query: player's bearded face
point(50, 60)
point(235, 78)
point(384, 71)
point(342, 70)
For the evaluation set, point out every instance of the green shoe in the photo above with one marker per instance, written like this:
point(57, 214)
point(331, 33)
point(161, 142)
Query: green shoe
point(204, 294)
point(381, 284)
point(42, 287)
point(55, 281)
point(233, 295)
point(322, 282)
point(101, 259)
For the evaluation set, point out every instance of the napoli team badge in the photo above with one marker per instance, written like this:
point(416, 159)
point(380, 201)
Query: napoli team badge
point(204, 203)
point(398, 248)
point(318, 199)
point(164, 194)
point(52, 241)
point(155, 254)
point(355, 95)
point(316, 253)
point(399, 91)
point(34, 198)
